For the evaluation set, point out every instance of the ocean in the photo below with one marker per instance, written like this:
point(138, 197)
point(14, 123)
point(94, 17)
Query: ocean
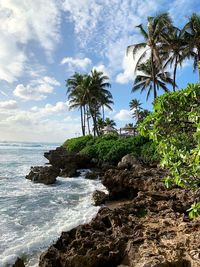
point(32, 216)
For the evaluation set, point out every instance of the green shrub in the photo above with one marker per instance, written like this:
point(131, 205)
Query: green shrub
point(174, 126)
point(77, 144)
point(149, 153)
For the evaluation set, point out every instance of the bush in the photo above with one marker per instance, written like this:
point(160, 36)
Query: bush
point(149, 153)
point(174, 126)
point(108, 148)
point(77, 144)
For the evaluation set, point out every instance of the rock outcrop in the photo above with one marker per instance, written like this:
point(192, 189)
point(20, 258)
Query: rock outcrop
point(43, 174)
point(99, 197)
point(152, 230)
point(19, 263)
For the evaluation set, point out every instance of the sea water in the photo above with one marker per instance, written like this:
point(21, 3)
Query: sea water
point(32, 216)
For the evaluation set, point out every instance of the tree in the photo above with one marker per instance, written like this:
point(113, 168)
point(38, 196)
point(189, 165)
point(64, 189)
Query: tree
point(155, 27)
point(135, 107)
point(109, 122)
point(174, 49)
point(98, 96)
point(146, 81)
point(192, 33)
point(76, 95)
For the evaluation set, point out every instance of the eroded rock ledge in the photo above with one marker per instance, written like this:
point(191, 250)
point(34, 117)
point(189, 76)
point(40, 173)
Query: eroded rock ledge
point(153, 230)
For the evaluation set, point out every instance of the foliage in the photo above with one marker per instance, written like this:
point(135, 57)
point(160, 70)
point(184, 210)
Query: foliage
point(78, 143)
point(194, 211)
point(175, 126)
point(111, 148)
point(149, 153)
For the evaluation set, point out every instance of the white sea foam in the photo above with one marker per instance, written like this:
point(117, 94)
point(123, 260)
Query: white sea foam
point(32, 216)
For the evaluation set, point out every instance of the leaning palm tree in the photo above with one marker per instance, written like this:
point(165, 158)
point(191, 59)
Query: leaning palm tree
point(174, 49)
point(192, 35)
point(146, 81)
point(76, 95)
point(135, 107)
point(155, 27)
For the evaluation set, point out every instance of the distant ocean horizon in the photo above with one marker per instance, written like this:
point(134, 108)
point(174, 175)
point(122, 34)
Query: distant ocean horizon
point(32, 216)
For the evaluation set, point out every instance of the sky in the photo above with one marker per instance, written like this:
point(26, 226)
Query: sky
point(42, 43)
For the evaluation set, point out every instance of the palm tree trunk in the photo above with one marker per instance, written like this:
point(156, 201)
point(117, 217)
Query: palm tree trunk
point(198, 51)
point(103, 113)
point(88, 121)
point(153, 75)
point(174, 78)
point(82, 121)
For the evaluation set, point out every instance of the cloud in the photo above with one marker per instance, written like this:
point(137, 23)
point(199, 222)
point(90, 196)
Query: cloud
point(123, 115)
point(20, 23)
point(36, 89)
point(59, 107)
point(51, 123)
point(10, 104)
point(74, 64)
point(102, 68)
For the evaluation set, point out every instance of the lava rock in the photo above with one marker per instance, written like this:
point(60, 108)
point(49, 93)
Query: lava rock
point(43, 174)
point(99, 197)
point(19, 263)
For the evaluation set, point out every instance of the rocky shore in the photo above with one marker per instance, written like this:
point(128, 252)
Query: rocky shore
point(148, 226)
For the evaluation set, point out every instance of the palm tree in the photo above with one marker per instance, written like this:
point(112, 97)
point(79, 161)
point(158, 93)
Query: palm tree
point(135, 106)
point(76, 95)
point(100, 124)
point(192, 33)
point(155, 27)
point(109, 122)
point(99, 96)
point(174, 50)
point(146, 81)
point(142, 115)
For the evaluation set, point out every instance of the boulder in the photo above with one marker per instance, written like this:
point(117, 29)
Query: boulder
point(99, 197)
point(70, 170)
point(93, 175)
point(129, 162)
point(19, 263)
point(43, 174)
point(61, 158)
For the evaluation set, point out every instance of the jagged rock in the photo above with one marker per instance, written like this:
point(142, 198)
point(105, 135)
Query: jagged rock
point(43, 174)
point(19, 263)
point(129, 162)
point(61, 158)
point(152, 230)
point(119, 237)
point(99, 197)
point(70, 170)
point(92, 175)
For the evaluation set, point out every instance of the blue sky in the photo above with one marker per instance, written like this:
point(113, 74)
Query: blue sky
point(42, 43)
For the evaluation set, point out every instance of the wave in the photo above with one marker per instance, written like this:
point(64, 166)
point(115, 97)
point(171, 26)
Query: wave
point(26, 145)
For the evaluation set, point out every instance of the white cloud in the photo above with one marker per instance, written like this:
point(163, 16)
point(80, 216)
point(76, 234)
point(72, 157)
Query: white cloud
point(123, 115)
point(21, 22)
point(74, 64)
point(102, 68)
point(10, 104)
point(36, 89)
point(59, 107)
point(51, 123)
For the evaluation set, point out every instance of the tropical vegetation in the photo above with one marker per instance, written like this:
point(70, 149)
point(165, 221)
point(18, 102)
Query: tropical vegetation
point(174, 126)
point(90, 94)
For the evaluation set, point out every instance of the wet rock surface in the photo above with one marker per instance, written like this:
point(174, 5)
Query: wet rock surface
point(43, 174)
point(19, 263)
point(99, 197)
point(152, 230)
